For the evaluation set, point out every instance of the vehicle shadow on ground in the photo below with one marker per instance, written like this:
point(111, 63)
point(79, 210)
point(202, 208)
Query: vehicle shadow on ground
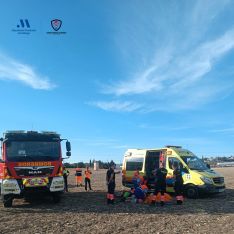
point(95, 202)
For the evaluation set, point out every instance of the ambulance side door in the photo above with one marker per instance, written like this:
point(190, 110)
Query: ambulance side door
point(132, 164)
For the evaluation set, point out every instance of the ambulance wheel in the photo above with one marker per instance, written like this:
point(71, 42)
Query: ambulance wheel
point(56, 197)
point(191, 192)
point(7, 201)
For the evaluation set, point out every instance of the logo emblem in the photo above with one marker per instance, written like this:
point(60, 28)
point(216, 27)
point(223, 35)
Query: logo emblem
point(23, 27)
point(56, 24)
point(23, 23)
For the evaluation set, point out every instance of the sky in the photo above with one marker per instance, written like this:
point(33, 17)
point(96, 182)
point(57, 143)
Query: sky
point(120, 74)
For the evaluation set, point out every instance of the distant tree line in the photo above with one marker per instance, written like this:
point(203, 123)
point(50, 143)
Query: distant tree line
point(102, 165)
point(214, 160)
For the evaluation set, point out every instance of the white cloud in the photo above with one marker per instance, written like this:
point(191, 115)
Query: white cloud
point(13, 70)
point(207, 11)
point(176, 83)
point(118, 106)
point(178, 73)
point(150, 79)
point(139, 85)
point(175, 67)
point(224, 130)
point(194, 66)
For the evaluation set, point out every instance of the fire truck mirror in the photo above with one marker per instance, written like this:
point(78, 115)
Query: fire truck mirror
point(68, 154)
point(68, 146)
point(1, 139)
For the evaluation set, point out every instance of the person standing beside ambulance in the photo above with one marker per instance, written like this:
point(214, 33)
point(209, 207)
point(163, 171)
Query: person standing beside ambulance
point(88, 178)
point(160, 183)
point(177, 174)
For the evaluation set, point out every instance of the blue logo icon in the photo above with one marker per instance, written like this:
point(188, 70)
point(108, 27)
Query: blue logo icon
point(56, 24)
point(23, 27)
point(23, 23)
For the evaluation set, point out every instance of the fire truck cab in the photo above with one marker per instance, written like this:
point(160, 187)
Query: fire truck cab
point(31, 162)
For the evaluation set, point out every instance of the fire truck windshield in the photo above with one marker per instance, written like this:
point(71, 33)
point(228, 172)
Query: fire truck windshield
point(32, 151)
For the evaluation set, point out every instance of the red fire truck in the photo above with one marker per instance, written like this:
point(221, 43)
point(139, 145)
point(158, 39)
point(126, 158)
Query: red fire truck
point(31, 162)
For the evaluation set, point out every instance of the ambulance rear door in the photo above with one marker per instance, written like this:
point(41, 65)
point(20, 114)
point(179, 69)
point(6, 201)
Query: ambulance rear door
point(152, 163)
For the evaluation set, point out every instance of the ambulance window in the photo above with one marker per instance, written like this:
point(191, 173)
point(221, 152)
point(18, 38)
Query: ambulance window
point(172, 160)
point(134, 163)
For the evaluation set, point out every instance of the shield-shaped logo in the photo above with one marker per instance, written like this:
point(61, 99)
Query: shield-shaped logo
point(56, 24)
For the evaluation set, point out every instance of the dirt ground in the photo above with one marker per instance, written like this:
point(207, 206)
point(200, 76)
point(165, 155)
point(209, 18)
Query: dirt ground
point(87, 212)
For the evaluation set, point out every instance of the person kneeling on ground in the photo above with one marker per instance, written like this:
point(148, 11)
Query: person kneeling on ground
point(110, 181)
point(178, 183)
point(141, 191)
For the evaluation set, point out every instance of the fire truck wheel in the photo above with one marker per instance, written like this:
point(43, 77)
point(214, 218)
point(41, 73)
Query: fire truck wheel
point(56, 197)
point(7, 200)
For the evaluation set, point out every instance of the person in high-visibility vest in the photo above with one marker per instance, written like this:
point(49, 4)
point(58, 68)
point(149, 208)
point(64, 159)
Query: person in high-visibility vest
point(160, 183)
point(178, 183)
point(65, 175)
point(88, 178)
point(78, 176)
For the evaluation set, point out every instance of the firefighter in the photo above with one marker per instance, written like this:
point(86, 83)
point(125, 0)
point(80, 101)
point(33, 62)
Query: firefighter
point(110, 181)
point(160, 183)
point(88, 178)
point(178, 186)
point(78, 176)
point(65, 175)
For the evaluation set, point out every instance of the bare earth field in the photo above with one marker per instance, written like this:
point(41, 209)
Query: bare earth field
point(87, 212)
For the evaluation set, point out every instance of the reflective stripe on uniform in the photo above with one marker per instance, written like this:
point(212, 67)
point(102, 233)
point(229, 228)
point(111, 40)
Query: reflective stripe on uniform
point(162, 198)
point(179, 198)
point(111, 196)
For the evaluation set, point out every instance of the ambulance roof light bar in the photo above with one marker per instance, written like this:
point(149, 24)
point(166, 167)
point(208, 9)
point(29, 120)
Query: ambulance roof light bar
point(48, 132)
point(173, 146)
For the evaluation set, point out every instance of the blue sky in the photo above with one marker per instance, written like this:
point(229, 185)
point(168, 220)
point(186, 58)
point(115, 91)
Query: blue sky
point(127, 74)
